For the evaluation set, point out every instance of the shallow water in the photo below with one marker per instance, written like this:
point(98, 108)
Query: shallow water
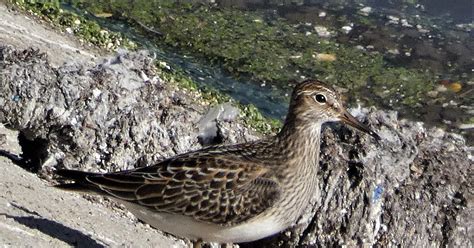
point(428, 35)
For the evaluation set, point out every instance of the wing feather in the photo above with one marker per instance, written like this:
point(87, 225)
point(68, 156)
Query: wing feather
point(212, 189)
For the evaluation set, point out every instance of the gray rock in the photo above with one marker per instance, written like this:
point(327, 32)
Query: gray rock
point(414, 188)
point(208, 129)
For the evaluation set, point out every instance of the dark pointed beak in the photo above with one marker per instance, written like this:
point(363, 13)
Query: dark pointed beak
point(352, 121)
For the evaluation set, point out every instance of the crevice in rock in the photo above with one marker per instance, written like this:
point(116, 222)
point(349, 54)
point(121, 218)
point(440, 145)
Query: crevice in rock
point(34, 152)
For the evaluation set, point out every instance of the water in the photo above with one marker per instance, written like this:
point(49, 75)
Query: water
point(425, 34)
point(270, 101)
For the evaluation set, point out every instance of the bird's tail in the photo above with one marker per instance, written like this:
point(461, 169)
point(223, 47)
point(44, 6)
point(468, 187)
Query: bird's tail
point(79, 178)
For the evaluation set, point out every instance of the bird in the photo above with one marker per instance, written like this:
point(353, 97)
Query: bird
point(230, 193)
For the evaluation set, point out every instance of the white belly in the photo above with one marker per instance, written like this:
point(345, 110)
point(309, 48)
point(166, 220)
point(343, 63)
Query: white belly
point(187, 227)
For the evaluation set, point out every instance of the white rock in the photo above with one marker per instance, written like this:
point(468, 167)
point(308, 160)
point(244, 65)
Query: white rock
point(322, 31)
point(346, 29)
point(393, 19)
point(365, 11)
point(393, 51)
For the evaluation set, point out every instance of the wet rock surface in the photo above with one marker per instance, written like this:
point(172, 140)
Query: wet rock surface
point(414, 188)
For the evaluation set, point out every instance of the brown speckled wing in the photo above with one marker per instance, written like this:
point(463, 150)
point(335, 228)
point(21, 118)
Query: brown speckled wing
point(208, 188)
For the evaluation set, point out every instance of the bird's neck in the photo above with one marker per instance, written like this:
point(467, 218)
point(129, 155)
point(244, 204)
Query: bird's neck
point(300, 140)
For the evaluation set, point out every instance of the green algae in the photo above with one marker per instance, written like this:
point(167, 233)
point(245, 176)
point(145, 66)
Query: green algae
point(265, 49)
point(92, 32)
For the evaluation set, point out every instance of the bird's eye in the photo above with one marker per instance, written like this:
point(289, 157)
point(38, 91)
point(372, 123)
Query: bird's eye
point(320, 98)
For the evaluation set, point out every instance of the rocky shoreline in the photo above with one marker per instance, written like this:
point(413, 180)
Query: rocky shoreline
point(414, 188)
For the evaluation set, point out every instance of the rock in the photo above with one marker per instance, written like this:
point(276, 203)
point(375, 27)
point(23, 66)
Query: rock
point(34, 214)
point(365, 11)
point(208, 123)
point(323, 32)
point(346, 29)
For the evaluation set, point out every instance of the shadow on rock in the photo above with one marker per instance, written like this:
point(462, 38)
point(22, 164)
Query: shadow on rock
point(56, 230)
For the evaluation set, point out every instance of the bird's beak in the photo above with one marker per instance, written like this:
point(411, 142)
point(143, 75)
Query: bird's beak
point(347, 118)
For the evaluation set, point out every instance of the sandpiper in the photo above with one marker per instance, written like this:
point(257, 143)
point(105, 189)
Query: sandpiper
point(235, 193)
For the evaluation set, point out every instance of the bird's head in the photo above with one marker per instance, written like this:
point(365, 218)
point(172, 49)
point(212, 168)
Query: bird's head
point(315, 102)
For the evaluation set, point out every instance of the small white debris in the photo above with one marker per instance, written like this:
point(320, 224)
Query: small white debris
point(441, 88)
point(405, 23)
point(365, 11)
point(73, 121)
point(432, 93)
point(69, 30)
point(164, 65)
point(346, 29)
point(96, 93)
point(393, 51)
point(322, 14)
point(322, 31)
point(77, 22)
point(393, 19)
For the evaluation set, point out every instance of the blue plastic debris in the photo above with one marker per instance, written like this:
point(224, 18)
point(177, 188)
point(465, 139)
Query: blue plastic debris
point(16, 98)
point(377, 193)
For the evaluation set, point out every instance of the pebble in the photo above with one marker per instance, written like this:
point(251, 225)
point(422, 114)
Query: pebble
point(326, 57)
point(432, 93)
point(393, 51)
point(365, 11)
point(441, 88)
point(466, 126)
point(346, 29)
point(405, 23)
point(322, 31)
point(393, 19)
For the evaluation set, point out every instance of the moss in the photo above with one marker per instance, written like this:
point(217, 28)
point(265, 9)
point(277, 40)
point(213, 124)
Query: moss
point(403, 85)
point(89, 31)
point(267, 50)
